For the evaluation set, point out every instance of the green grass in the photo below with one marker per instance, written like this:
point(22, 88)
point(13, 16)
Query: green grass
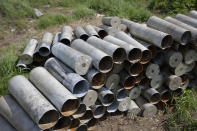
point(8, 60)
point(182, 116)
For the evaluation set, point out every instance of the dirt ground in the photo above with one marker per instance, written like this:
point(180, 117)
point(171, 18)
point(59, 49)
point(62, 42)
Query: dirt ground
point(122, 123)
point(111, 123)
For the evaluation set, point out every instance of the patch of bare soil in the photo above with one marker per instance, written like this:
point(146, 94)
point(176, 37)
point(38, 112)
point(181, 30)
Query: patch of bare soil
point(122, 123)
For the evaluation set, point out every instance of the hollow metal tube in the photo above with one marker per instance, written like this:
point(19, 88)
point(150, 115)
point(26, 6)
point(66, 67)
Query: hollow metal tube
point(80, 33)
point(112, 81)
point(101, 61)
point(106, 96)
point(45, 116)
point(90, 98)
point(186, 19)
point(152, 95)
point(5, 125)
point(135, 92)
point(76, 60)
point(45, 46)
point(63, 99)
point(81, 110)
point(126, 80)
point(178, 33)
point(15, 115)
point(116, 52)
point(91, 31)
point(101, 32)
point(111, 21)
point(66, 35)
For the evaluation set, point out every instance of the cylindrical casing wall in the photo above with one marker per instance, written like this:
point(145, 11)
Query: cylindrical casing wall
point(74, 123)
point(76, 84)
point(173, 58)
point(135, 92)
point(90, 98)
point(45, 47)
point(158, 38)
point(87, 116)
point(36, 56)
point(152, 70)
point(126, 80)
point(133, 69)
point(120, 93)
point(82, 127)
point(95, 78)
point(106, 96)
point(101, 61)
point(15, 115)
point(101, 32)
point(91, 31)
point(63, 99)
point(148, 109)
point(173, 82)
point(112, 81)
point(152, 95)
point(133, 110)
point(56, 38)
point(66, 35)
point(166, 95)
point(73, 58)
point(157, 81)
point(133, 53)
point(27, 55)
point(118, 53)
point(146, 54)
point(117, 68)
point(5, 125)
point(113, 107)
point(92, 124)
point(189, 56)
point(22, 65)
point(186, 26)
point(178, 33)
point(45, 116)
point(81, 111)
point(124, 105)
point(111, 21)
point(193, 14)
point(80, 33)
point(180, 69)
point(98, 110)
point(186, 19)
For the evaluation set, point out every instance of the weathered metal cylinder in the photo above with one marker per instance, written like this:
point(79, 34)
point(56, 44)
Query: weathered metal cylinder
point(96, 78)
point(173, 82)
point(98, 110)
point(193, 14)
point(113, 107)
point(106, 96)
point(180, 69)
point(186, 19)
point(126, 80)
point(124, 104)
point(92, 124)
point(45, 47)
point(148, 109)
point(190, 67)
point(101, 61)
point(74, 123)
point(111, 21)
point(158, 38)
point(152, 70)
point(116, 52)
point(66, 35)
point(110, 30)
point(166, 95)
point(133, 110)
point(56, 38)
point(76, 60)
point(63, 99)
point(62, 124)
point(120, 93)
point(76, 84)
point(134, 54)
point(186, 26)
point(139, 78)
point(27, 55)
point(45, 116)
point(152, 95)
point(173, 58)
point(117, 68)
point(133, 69)
point(101, 32)
point(81, 111)
point(22, 65)
point(156, 81)
point(15, 115)
point(135, 92)
point(90, 98)
point(112, 81)
point(91, 31)
point(146, 54)
point(189, 56)
point(178, 33)
point(80, 33)
point(5, 125)
point(123, 27)
point(150, 46)
point(36, 56)
point(87, 116)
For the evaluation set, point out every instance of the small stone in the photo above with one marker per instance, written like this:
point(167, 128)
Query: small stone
point(38, 13)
